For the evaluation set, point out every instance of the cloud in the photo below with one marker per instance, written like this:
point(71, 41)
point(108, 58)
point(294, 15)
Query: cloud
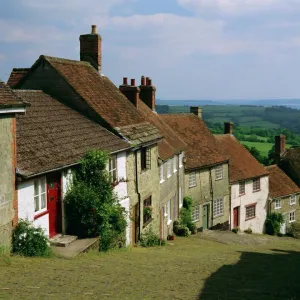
point(236, 7)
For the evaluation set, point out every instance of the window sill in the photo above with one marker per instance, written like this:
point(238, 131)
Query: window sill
point(292, 204)
point(240, 195)
point(40, 214)
point(250, 218)
point(217, 179)
point(292, 221)
point(169, 222)
point(162, 181)
point(218, 216)
point(180, 167)
point(169, 176)
point(256, 191)
point(191, 186)
point(195, 221)
point(277, 207)
point(174, 171)
point(147, 223)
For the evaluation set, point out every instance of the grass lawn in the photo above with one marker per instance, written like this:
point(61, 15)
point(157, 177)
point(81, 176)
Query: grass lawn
point(264, 148)
point(187, 268)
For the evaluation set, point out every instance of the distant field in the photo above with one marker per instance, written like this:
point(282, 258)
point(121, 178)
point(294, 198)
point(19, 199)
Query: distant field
point(263, 148)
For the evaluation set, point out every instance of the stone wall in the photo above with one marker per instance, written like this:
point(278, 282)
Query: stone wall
point(8, 198)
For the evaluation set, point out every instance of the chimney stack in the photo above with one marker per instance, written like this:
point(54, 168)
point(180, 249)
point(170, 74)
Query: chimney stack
point(280, 141)
point(131, 92)
point(196, 110)
point(147, 94)
point(91, 48)
point(228, 128)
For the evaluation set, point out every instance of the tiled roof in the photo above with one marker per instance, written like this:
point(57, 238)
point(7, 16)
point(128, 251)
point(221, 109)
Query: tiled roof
point(16, 75)
point(106, 99)
point(172, 143)
point(279, 183)
point(242, 165)
point(8, 98)
point(202, 147)
point(52, 135)
point(290, 163)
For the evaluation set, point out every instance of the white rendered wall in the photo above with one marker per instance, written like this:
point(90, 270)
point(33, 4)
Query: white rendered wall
point(121, 188)
point(250, 197)
point(26, 206)
point(126, 204)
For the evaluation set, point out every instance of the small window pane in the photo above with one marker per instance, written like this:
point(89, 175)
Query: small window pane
point(43, 185)
point(36, 187)
point(43, 201)
point(36, 203)
point(250, 212)
point(242, 188)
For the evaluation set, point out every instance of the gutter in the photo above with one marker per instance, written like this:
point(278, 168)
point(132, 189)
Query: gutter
point(139, 194)
point(212, 197)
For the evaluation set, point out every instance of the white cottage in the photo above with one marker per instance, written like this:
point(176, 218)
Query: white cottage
point(51, 139)
point(249, 185)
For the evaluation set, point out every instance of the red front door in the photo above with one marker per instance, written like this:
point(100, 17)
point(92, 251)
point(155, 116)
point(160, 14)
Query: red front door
point(236, 217)
point(54, 204)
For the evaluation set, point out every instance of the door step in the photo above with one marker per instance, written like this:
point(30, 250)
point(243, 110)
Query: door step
point(62, 240)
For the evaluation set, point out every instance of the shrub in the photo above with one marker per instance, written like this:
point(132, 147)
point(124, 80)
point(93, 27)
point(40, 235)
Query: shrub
point(249, 230)
point(235, 230)
point(193, 228)
point(29, 241)
point(91, 206)
point(149, 239)
point(273, 223)
point(294, 230)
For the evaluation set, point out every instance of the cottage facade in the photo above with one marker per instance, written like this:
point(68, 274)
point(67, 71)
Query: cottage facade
point(284, 196)
point(10, 104)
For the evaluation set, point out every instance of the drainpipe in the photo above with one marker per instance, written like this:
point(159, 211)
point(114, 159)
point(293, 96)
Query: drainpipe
point(212, 198)
point(138, 192)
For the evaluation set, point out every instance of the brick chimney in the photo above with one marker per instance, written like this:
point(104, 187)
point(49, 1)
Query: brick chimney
point(90, 48)
point(228, 128)
point(147, 94)
point(280, 141)
point(130, 91)
point(196, 110)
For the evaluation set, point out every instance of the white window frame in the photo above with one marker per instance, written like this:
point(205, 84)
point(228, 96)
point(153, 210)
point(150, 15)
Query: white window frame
point(180, 198)
point(175, 164)
point(219, 172)
point(277, 203)
point(39, 195)
point(112, 169)
point(196, 213)
point(180, 160)
point(169, 212)
point(292, 216)
point(169, 168)
point(192, 179)
point(242, 184)
point(248, 207)
point(254, 185)
point(293, 199)
point(218, 207)
point(161, 173)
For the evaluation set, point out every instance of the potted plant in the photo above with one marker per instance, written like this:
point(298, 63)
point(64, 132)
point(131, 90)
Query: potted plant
point(148, 211)
point(171, 237)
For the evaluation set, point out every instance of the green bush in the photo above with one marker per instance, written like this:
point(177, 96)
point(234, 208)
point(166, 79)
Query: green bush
point(249, 231)
point(235, 230)
point(181, 230)
point(91, 206)
point(294, 230)
point(273, 223)
point(29, 241)
point(150, 239)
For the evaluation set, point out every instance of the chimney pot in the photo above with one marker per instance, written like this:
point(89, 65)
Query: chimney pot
point(125, 80)
point(150, 82)
point(132, 82)
point(147, 80)
point(196, 110)
point(228, 128)
point(143, 80)
point(94, 29)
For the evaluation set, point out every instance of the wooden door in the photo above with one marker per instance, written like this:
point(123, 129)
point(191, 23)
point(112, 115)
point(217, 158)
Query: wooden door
point(236, 215)
point(54, 204)
point(205, 217)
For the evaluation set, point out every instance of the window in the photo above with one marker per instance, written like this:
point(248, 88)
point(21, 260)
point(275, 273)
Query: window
point(161, 173)
point(40, 194)
point(169, 211)
point(147, 215)
point(175, 164)
point(169, 166)
point(218, 208)
point(180, 159)
point(145, 158)
point(180, 197)
point(219, 173)
point(250, 211)
point(112, 168)
point(292, 216)
point(256, 185)
point(192, 179)
point(277, 203)
point(196, 213)
point(242, 188)
point(293, 200)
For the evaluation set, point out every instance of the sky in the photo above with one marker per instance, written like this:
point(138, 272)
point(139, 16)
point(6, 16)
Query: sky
point(192, 49)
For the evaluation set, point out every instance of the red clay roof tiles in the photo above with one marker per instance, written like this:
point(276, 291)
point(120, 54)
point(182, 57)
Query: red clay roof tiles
point(16, 75)
point(8, 98)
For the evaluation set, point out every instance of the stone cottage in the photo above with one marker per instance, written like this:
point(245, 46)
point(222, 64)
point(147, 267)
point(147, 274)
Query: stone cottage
point(249, 184)
point(10, 105)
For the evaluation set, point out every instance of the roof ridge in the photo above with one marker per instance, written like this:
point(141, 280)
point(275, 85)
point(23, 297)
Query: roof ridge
point(65, 60)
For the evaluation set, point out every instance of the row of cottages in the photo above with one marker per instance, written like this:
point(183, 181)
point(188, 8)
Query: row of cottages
point(10, 105)
point(146, 163)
